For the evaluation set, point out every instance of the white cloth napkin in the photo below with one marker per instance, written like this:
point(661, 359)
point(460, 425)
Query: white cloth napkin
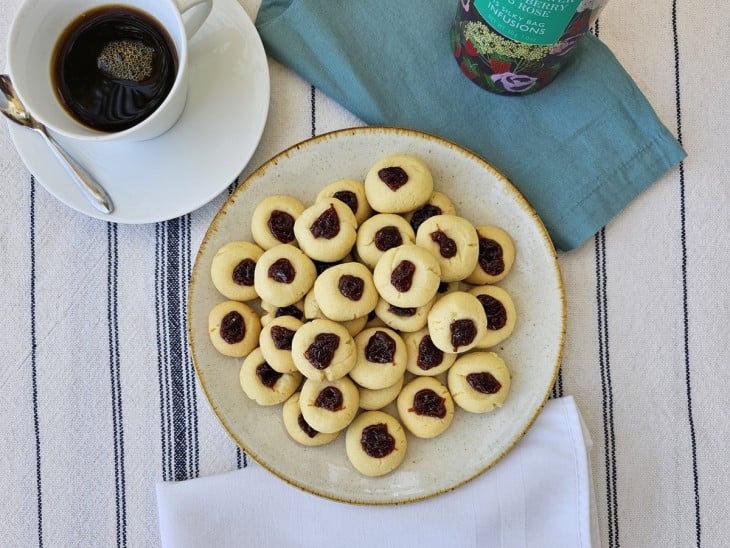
point(540, 494)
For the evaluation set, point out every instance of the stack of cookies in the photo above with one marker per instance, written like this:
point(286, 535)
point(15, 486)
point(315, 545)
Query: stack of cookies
point(378, 312)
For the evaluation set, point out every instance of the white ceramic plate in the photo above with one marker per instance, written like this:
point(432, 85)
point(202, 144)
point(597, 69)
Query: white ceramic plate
point(189, 165)
point(474, 442)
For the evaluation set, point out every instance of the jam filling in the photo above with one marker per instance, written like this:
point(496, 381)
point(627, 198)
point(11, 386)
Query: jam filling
point(233, 327)
point(490, 256)
point(463, 333)
point(304, 426)
point(426, 212)
point(447, 246)
point(243, 272)
point(402, 276)
point(267, 375)
point(428, 355)
point(282, 337)
point(495, 310)
point(327, 225)
point(349, 198)
point(376, 441)
point(407, 312)
point(351, 287)
point(282, 271)
point(387, 238)
point(380, 348)
point(329, 398)
point(281, 225)
point(322, 350)
point(428, 403)
point(483, 382)
point(290, 310)
point(393, 177)
point(321, 266)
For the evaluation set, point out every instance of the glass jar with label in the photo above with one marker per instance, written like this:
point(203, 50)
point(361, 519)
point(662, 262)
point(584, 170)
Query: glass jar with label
point(515, 47)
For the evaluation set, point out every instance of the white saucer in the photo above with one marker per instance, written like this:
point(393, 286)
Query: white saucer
point(185, 168)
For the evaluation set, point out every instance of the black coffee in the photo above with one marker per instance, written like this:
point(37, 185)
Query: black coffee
point(113, 66)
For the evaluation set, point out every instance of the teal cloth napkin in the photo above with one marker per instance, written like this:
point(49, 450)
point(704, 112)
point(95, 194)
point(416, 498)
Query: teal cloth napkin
point(579, 150)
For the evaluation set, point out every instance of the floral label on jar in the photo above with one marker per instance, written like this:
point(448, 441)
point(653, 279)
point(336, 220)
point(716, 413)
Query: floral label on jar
point(537, 22)
point(487, 43)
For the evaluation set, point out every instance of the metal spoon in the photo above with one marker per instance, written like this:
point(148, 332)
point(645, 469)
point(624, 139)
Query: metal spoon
point(11, 107)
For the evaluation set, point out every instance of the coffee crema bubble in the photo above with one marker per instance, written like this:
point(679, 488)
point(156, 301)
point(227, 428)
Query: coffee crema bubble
point(126, 60)
point(113, 67)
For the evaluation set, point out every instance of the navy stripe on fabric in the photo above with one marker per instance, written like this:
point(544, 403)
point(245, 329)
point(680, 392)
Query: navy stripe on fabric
point(609, 385)
point(34, 361)
point(179, 319)
point(177, 375)
point(560, 383)
point(685, 298)
point(606, 388)
point(177, 369)
point(178, 396)
point(116, 385)
point(313, 107)
point(234, 185)
point(241, 459)
point(557, 391)
point(192, 409)
point(162, 356)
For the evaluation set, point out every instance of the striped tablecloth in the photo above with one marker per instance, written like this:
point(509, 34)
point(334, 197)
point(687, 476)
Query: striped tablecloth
point(99, 400)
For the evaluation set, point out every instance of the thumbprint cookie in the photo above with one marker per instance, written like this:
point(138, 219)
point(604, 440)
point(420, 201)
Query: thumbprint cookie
point(398, 184)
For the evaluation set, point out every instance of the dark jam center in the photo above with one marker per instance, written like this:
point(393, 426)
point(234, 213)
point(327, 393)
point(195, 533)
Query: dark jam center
point(495, 311)
point(447, 246)
point(290, 310)
point(463, 333)
point(387, 238)
point(282, 271)
point(402, 276)
point(322, 350)
point(281, 225)
point(380, 348)
point(282, 337)
point(233, 328)
point(321, 266)
point(394, 177)
point(428, 403)
point(348, 197)
point(327, 225)
point(376, 441)
point(428, 355)
point(351, 287)
point(402, 312)
point(426, 212)
point(490, 256)
point(483, 382)
point(267, 375)
point(304, 426)
point(329, 398)
point(243, 272)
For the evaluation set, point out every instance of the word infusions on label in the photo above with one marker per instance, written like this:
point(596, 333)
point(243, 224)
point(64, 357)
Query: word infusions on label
point(538, 22)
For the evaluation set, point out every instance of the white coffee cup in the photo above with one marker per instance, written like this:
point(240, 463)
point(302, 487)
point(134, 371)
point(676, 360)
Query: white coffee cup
point(35, 32)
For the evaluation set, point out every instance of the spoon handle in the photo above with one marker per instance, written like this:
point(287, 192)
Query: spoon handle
point(96, 195)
